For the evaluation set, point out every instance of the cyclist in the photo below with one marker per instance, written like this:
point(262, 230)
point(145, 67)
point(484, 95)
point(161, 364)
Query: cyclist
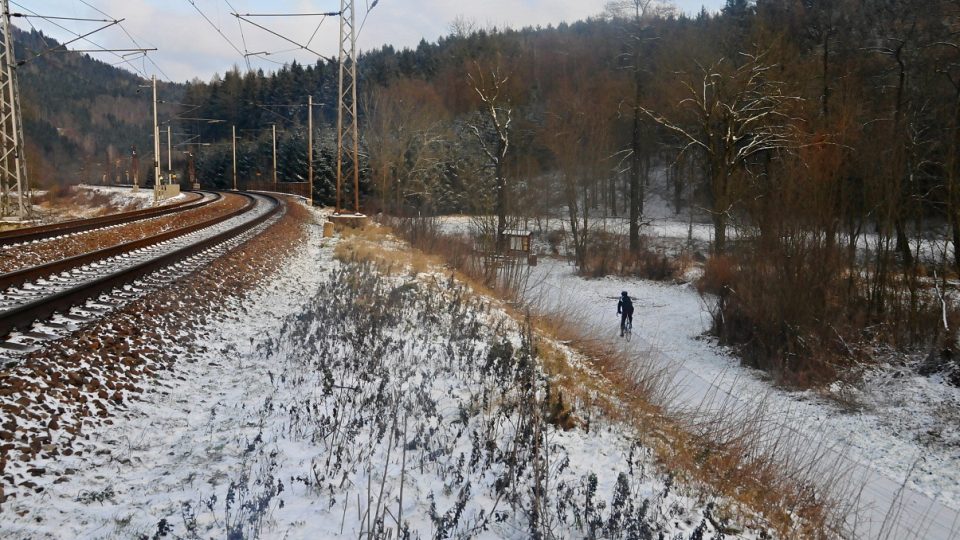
point(625, 310)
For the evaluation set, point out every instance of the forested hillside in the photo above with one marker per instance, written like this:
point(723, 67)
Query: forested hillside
point(81, 115)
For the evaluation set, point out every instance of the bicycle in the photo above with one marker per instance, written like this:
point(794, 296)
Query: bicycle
point(627, 330)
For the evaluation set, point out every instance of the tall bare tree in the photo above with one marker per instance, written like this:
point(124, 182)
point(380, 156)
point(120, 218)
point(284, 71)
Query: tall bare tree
point(732, 115)
point(493, 132)
point(405, 127)
point(637, 17)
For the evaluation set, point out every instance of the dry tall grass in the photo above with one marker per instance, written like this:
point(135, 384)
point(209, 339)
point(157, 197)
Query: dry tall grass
point(797, 490)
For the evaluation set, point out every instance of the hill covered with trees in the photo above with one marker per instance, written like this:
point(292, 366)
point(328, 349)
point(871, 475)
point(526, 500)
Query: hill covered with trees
point(82, 115)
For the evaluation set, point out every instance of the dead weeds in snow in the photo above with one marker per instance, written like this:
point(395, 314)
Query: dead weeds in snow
point(732, 453)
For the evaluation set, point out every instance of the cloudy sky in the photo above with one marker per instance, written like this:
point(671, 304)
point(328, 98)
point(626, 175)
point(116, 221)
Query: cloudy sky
point(188, 32)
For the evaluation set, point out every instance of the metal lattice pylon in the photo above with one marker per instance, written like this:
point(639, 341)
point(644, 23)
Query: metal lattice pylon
point(14, 191)
point(348, 140)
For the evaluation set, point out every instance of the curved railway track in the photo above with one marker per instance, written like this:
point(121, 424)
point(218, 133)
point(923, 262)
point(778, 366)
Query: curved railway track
point(104, 279)
point(54, 230)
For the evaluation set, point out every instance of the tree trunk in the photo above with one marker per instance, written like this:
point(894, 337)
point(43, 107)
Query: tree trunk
point(675, 174)
point(903, 242)
point(613, 195)
point(636, 188)
point(953, 197)
point(571, 193)
point(719, 186)
point(501, 209)
point(719, 233)
point(955, 228)
point(826, 64)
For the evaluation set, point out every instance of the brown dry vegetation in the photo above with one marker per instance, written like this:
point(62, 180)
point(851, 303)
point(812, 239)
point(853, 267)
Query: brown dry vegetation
point(84, 378)
point(588, 376)
point(610, 254)
point(33, 254)
point(809, 319)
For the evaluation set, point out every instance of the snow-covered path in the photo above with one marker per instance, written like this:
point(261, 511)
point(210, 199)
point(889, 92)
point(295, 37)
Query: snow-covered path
point(908, 491)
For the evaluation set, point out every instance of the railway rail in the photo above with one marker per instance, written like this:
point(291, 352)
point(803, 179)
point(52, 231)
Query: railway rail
point(54, 230)
point(90, 285)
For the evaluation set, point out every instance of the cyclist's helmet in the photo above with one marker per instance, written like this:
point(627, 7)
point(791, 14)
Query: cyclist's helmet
point(623, 293)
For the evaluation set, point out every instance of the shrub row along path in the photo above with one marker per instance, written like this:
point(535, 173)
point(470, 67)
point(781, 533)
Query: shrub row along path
point(908, 490)
point(52, 398)
point(35, 253)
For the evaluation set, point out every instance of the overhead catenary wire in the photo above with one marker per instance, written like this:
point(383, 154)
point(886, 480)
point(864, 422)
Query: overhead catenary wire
point(54, 17)
point(127, 61)
point(143, 51)
point(132, 39)
point(215, 27)
point(243, 38)
point(137, 44)
point(370, 7)
point(281, 36)
point(64, 44)
point(124, 60)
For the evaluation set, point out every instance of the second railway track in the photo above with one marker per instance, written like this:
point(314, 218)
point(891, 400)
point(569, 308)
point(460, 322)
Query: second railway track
point(36, 294)
point(55, 230)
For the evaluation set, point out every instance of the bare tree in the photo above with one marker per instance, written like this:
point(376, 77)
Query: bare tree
point(731, 115)
point(637, 16)
point(405, 136)
point(493, 133)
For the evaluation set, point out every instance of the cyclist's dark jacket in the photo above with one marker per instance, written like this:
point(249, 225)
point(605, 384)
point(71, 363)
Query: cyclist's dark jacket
point(625, 305)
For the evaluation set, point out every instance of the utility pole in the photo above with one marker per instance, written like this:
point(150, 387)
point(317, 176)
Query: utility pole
point(13, 168)
point(347, 132)
point(274, 156)
point(156, 146)
point(233, 140)
point(310, 149)
point(192, 170)
point(135, 165)
point(169, 156)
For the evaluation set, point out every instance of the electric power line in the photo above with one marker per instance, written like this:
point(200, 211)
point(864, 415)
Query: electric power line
point(243, 38)
point(131, 38)
point(279, 35)
point(215, 27)
point(127, 61)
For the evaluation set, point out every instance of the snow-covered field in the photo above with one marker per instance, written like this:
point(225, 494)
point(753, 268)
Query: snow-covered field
point(337, 401)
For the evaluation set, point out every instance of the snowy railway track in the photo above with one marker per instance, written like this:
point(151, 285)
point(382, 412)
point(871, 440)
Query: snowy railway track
point(77, 226)
point(75, 290)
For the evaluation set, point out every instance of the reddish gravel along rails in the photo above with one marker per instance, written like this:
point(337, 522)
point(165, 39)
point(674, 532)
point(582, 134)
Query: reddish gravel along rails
point(32, 254)
point(39, 292)
point(52, 396)
point(42, 232)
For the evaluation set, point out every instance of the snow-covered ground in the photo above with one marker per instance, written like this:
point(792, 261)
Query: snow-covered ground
point(897, 438)
point(86, 201)
point(907, 431)
point(337, 401)
point(121, 197)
